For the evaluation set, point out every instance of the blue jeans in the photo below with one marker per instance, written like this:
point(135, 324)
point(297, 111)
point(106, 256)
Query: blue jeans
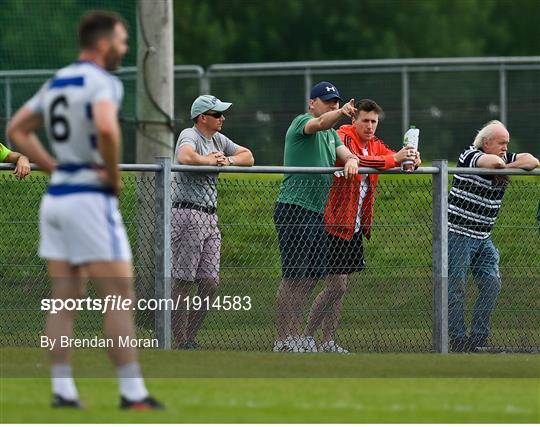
point(482, 258)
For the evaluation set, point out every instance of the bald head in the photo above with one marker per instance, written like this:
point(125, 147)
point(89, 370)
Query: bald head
point(493, 138)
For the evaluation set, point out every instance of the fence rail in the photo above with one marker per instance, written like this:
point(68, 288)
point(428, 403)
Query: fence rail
point(398, 303)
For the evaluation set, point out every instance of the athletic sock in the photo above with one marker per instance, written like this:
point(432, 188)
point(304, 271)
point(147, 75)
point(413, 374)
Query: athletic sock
point(62, 381)
point(131, 382)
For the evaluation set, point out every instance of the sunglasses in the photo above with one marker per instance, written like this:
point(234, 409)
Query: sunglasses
point(214, 114)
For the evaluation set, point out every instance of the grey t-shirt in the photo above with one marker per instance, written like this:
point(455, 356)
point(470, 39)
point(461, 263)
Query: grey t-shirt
point(199, 188)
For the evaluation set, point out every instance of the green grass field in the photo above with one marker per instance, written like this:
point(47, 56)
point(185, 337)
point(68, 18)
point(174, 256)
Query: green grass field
point(220, 387)
point(387, 310)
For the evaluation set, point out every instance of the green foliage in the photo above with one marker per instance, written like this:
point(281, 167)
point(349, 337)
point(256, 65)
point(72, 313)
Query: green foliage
point(42, 33)
point(282, 30)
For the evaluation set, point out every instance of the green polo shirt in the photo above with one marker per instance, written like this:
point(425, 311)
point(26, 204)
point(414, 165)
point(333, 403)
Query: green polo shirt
point(318, 150)
point(4, 152)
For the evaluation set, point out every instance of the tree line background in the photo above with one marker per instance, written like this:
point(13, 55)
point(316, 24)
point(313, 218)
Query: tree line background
point(41, 34)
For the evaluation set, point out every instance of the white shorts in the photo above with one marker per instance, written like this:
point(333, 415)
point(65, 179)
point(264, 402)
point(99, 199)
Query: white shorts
point(81, 228)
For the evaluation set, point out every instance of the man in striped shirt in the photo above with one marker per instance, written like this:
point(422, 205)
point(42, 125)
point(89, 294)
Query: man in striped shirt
point(473, 205)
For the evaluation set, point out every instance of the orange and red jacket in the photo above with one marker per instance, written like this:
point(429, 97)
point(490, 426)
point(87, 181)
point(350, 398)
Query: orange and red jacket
point(342, 205)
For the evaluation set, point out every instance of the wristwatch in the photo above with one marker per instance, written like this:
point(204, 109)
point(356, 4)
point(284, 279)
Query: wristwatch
point(231, 160)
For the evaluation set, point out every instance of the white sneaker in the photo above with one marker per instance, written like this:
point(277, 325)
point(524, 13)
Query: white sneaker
point(331, 347)
point(280, 346)
point(309, 344)
point(290, 345)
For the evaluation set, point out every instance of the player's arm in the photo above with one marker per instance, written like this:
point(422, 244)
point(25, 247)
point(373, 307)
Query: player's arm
point(105, 115)
point(351, 162)
point(329, 119)
point(490, 161)
point(524, 161)
point(21, 131)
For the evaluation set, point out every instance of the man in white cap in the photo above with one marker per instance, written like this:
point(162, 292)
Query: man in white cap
point(195, 236)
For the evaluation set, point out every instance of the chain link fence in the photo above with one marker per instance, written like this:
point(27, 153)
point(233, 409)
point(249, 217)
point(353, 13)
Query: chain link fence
point(393, 305)
point(446, 98)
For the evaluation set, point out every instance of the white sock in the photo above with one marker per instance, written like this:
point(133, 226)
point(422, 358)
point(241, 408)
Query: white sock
point(62, 381)
point(131, 382)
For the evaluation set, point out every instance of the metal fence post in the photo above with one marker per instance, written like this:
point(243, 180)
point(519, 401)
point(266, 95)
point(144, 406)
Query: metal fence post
point(8, 101)
point(405, 100)
point(503, 94)
point(204, 84)
point(163, 250)
point(307, 86)
point(440, 257)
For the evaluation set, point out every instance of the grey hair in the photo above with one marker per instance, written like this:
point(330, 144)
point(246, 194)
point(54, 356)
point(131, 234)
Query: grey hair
point(486, 133)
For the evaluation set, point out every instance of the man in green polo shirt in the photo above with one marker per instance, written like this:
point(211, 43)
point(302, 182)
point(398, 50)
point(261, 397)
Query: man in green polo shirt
point(310, 141)
point(22, 164)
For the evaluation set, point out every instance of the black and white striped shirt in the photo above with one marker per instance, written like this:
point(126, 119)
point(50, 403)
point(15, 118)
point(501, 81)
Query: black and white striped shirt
point(474, 200)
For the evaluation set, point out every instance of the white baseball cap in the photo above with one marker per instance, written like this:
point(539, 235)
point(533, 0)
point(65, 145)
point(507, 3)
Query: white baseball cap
point(205, 103)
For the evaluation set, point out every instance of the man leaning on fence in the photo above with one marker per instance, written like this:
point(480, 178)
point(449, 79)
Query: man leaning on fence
point(22, 164)
point(473, 205)
point(196, 239)
point(310, 141)
point(349, 213)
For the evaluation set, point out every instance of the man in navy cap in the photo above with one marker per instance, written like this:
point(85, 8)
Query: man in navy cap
point(310, 141)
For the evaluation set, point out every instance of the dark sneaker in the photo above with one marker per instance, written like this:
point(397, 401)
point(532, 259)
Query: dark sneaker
point(147, 404)
point(189, 345)
point(59, 402)
point(459, 345)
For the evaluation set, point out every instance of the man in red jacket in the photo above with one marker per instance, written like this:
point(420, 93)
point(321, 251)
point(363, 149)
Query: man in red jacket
point(348, 215)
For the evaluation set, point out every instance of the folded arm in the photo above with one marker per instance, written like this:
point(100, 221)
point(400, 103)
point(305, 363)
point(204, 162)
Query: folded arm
point(524, 161)
point(241, 157)
point(490, 161)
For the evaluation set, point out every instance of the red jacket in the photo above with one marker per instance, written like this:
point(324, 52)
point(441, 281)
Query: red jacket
point(342, 205)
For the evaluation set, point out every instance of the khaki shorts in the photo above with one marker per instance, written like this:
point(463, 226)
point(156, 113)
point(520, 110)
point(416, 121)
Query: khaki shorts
point(196, 244)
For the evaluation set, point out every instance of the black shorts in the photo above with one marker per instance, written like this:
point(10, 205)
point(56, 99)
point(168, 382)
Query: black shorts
point(345, 256)
point(302, 241)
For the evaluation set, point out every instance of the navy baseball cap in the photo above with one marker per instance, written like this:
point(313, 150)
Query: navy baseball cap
point(325, 91)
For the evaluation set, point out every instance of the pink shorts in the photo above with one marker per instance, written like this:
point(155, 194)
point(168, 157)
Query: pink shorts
point(196, 244)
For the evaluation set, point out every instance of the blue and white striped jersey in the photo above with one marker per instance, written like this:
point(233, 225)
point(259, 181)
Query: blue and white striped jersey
point(65, 102)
